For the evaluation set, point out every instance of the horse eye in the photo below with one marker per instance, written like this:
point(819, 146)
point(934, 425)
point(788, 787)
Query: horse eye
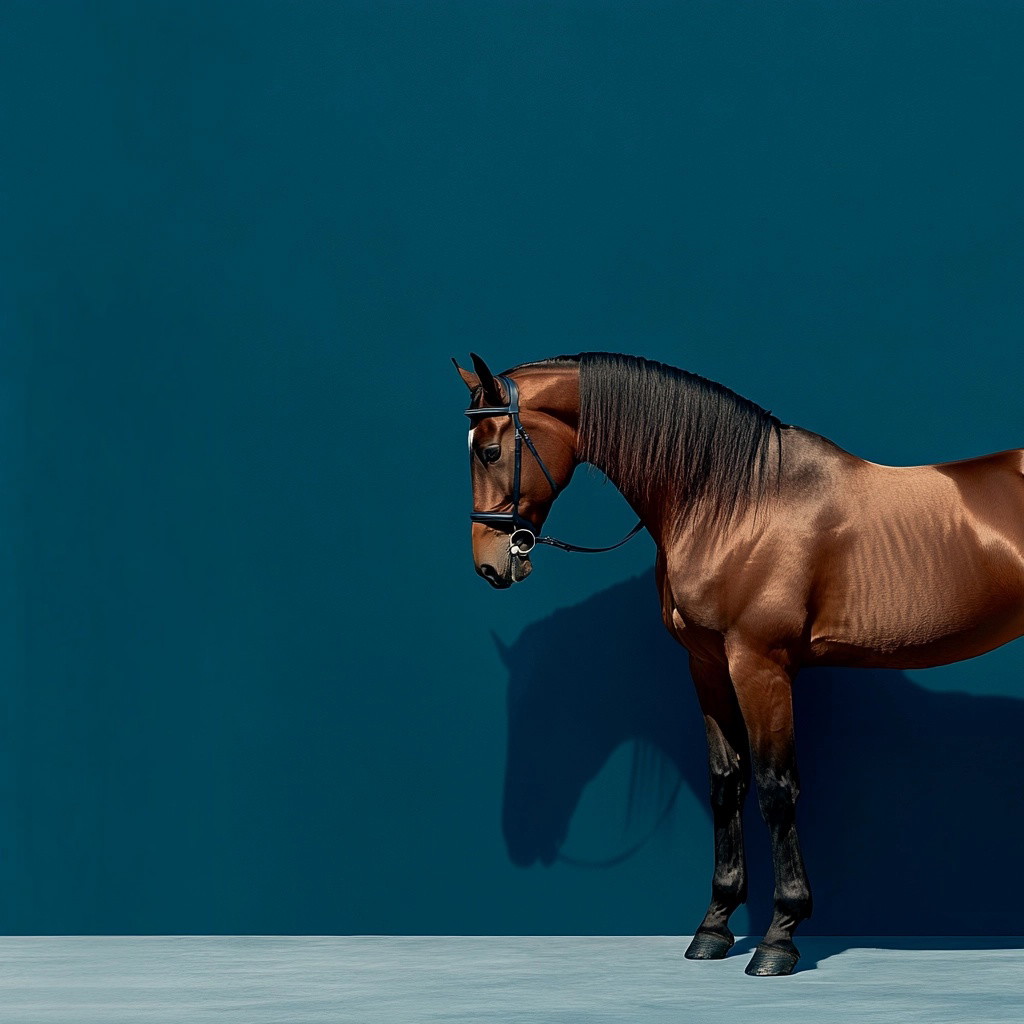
point(491, 453)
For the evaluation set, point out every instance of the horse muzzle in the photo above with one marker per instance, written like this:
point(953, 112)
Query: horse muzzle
point(515, 569)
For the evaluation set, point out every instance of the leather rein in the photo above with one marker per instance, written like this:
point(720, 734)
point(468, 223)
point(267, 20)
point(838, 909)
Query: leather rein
point(523, 536)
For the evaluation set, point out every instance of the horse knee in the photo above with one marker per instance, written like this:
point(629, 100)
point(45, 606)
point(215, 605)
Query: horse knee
point(794, 907)
point(728, 787)
point(777, 794)
point(728, 773)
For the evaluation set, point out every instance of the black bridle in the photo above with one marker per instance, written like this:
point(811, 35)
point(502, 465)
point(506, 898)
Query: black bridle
point(523, 537)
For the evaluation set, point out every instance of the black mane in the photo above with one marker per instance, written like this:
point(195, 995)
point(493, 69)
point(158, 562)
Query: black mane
point(649, 426)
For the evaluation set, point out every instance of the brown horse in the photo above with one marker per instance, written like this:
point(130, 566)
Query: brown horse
point(776, 549)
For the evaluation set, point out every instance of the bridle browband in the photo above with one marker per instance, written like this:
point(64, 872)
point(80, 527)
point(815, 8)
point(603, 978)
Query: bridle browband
point(523, 537)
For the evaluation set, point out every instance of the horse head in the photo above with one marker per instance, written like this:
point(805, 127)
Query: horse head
point(522, 446)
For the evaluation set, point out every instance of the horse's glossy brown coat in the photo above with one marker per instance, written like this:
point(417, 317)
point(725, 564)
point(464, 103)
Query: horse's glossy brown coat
point(842, 562)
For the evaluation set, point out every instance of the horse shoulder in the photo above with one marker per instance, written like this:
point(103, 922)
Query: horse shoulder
point(752, 580)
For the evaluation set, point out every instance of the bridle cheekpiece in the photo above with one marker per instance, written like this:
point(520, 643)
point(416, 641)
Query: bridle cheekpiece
point(523, 536)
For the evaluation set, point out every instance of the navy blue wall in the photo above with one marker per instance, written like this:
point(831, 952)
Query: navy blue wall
point(250, 681)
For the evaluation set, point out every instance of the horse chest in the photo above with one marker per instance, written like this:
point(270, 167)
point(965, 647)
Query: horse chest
point(701, 640)
point(692, 613)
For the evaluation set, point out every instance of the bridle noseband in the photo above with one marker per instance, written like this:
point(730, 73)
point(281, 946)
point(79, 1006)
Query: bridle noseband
point(523, 537)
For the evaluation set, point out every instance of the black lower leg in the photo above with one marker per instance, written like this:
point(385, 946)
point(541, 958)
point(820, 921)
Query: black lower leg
point(777, 954)
point(763, 680)
point(729, 782)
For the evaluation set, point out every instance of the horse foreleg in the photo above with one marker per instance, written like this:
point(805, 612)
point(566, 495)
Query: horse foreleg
point(764, 689)
point(729, 765)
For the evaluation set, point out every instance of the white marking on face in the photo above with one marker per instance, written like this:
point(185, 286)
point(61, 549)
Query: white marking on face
point(471, 431)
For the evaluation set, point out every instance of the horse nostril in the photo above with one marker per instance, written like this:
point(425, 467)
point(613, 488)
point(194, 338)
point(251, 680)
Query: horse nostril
point(490, 574)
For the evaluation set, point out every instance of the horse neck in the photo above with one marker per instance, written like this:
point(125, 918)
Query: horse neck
point(555, 392)
point(667, 510)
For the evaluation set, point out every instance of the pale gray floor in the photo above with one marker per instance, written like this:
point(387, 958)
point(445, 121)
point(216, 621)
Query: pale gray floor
point(259, 980)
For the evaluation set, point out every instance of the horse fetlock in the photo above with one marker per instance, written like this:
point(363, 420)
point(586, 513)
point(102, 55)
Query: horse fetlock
point(728, 891)
point(790, 911)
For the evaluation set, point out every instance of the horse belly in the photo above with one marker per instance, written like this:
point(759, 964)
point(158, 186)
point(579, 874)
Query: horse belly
point(914, 597)
point(924, 648)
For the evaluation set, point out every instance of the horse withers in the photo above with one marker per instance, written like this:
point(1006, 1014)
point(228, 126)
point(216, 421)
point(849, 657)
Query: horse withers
point(776, 550)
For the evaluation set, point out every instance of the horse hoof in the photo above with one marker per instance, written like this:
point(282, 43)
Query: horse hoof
point(772, 961)
point(709, 946)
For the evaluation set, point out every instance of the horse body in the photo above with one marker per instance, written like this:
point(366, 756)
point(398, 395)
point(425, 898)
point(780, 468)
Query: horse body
point(775, 549)
point(926, 565)
point(856, 564)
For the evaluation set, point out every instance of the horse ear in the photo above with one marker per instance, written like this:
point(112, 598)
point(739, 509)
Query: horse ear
point(469, 379)
point(492, 393)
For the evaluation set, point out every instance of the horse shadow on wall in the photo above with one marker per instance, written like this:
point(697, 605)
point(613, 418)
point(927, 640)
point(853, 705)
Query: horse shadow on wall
point(911, 800)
